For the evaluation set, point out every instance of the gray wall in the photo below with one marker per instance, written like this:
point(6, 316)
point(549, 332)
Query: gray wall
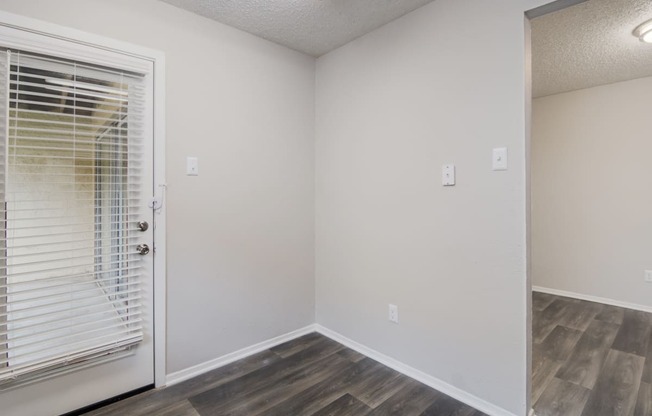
point(444, 84)
point(592, 191)
point(241, 235)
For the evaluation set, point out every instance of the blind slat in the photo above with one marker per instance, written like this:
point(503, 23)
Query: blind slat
point(70, 344)
point(64, 225)
point(77, 320)
point(67, 302)
point(96, 276)
point(83, 159)
point(135, 113)
point(10, 373)
point(50, 82)
point(90, 129)
point(67, 311)
point(22, 237)
point(22, 98)
point(71, 284)
point(36, 272)
point(127, 256)
point(57, 243)
point(78, 118)
point(57, 218)
point(70, 327)
point(71, 293)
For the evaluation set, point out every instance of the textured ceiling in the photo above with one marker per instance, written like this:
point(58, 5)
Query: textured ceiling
point(310, 26)
point(589, 44)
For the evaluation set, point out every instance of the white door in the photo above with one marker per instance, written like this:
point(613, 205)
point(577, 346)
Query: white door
point(76, 277)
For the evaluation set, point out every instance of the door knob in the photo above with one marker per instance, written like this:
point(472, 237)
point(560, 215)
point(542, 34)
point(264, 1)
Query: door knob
point(143, 225)
point(142, 249)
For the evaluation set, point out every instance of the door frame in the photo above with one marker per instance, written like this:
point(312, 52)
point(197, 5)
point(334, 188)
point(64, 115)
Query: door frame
point(20, 30)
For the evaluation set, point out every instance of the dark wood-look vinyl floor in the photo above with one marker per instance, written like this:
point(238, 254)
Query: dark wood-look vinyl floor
point(311, 375)
point(590, 359)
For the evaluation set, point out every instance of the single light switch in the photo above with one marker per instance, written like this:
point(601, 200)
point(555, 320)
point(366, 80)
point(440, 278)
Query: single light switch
point(448, 175)
point(500, 158)
point(192, 166)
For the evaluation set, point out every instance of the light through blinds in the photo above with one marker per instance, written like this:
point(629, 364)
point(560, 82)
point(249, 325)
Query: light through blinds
point(72, 137)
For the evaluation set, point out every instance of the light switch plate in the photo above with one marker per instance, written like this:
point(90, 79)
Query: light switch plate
point(192, 166)
point(499, 158)
point(393, 313)
point(448, 175)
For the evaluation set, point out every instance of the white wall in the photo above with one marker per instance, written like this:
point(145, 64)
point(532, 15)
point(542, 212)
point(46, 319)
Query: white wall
point(444, 84)
point(241, 235)
point(592, 191)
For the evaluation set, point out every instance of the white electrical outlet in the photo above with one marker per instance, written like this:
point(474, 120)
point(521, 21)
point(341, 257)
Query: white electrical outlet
point(393, 313)
point(648, 276)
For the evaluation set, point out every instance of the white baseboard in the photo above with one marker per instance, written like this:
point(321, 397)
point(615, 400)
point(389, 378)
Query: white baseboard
point(418, 375)
point(591, 298)
point(204, 367)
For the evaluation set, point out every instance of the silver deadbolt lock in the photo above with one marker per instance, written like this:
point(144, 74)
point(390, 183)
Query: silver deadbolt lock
point(143, 225)
point(142, 249)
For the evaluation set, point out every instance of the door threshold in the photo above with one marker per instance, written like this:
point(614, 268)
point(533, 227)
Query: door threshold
point(109, 401)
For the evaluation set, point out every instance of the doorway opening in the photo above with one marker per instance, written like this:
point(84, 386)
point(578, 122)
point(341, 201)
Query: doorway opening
point(590, 208)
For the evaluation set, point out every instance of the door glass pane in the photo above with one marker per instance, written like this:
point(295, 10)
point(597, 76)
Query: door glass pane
point(70, 271)
point(111, 216)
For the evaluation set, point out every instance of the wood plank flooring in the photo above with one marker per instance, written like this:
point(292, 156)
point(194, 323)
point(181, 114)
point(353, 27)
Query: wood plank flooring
point(590, 359)
point(311, 375)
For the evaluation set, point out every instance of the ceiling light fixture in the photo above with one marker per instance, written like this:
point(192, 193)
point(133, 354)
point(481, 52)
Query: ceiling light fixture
point(644, 32)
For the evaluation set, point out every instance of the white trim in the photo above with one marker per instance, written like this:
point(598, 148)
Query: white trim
point(204, 367)
point(160, 226)
point(34, 28)
point(435, 383)
point(590, 298)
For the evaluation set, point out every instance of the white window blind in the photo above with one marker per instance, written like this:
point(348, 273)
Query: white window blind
point(70, 154)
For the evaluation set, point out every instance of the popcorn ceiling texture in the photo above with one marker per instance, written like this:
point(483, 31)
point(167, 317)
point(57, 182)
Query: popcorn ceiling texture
point(578, 47)
point(589, 44)
point(310, 26)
